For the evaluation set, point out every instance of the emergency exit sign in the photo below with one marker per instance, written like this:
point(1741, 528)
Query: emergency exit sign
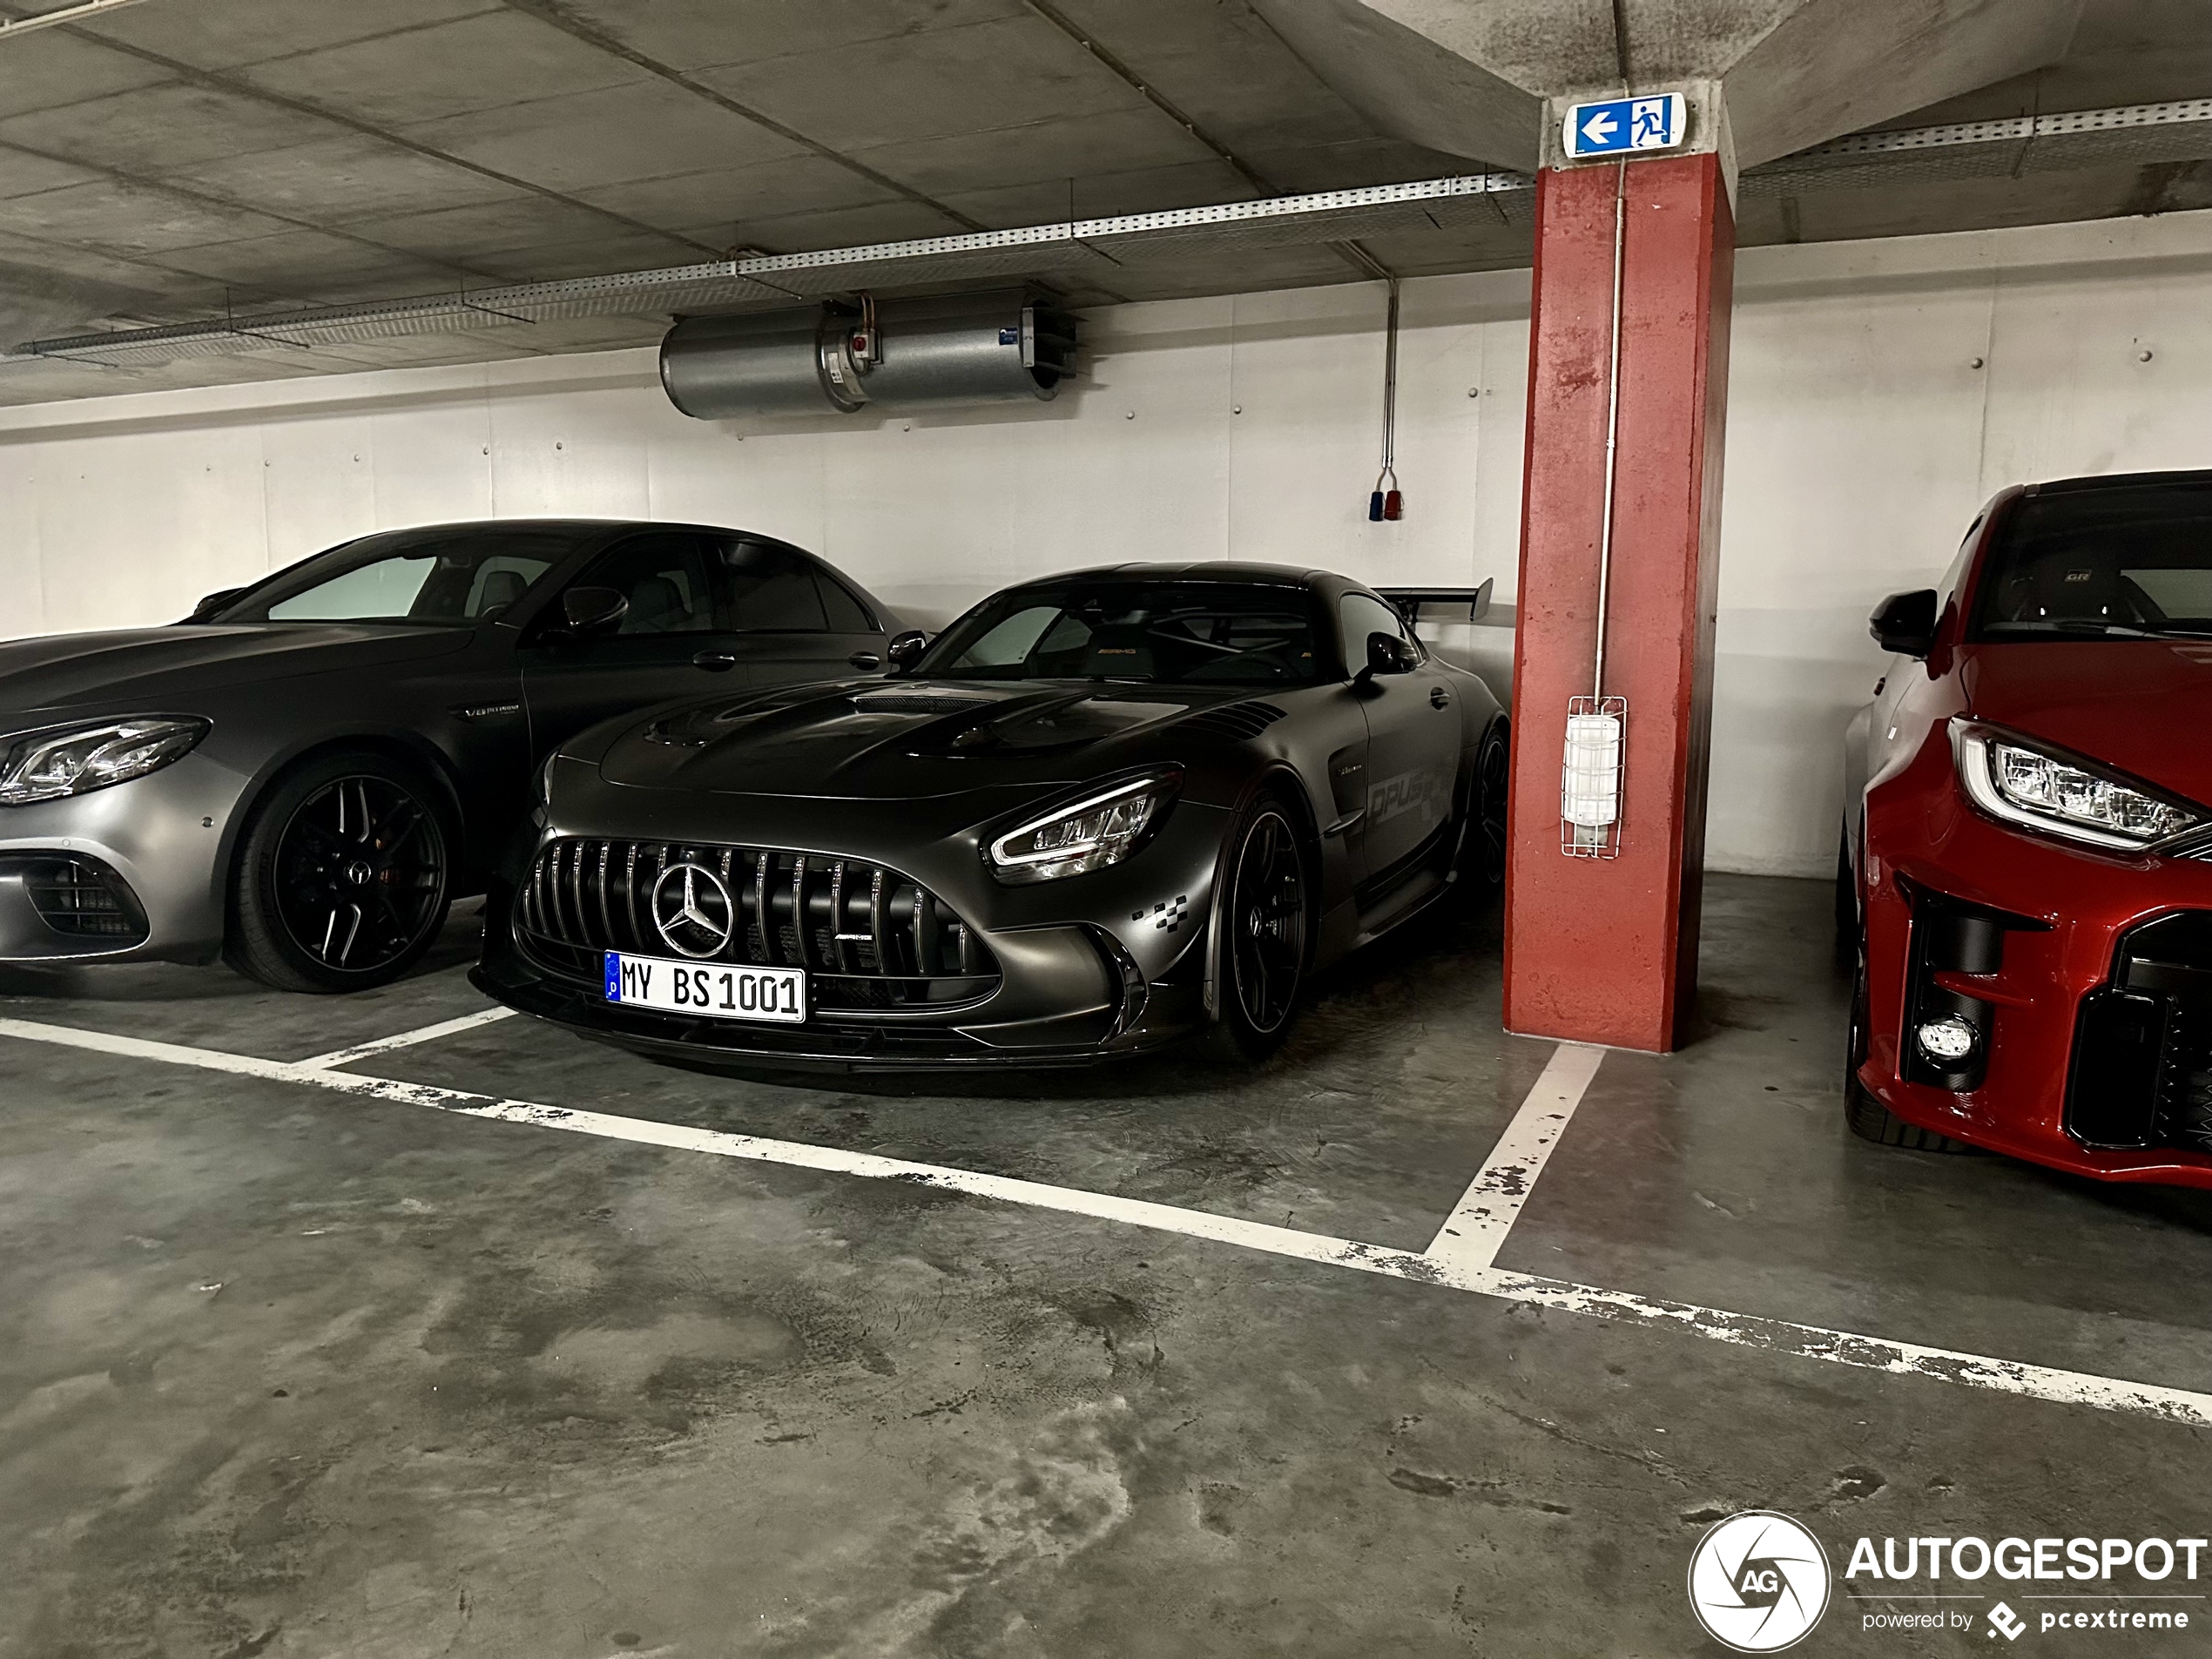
point(1625, 126)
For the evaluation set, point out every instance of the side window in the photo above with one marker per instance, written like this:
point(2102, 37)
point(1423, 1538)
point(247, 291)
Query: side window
point(500, 581)
point(1359, 615)
point(845, 613)
point(665, 578)
point(771, 589)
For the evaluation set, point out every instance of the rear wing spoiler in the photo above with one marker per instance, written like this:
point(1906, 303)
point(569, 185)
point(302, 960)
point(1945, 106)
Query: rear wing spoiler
point(1408, 601)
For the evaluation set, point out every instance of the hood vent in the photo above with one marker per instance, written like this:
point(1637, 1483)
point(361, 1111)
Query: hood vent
point(1238, 720)
point(919, 703)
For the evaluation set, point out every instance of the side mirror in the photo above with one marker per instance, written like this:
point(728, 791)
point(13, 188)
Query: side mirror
point(592, 611)
point(1905, 622)
point(905, 648)
point(213, 602)
point(1386, 654)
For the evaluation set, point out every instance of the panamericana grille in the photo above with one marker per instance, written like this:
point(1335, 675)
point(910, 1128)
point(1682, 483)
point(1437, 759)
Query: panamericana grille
point(869, 937)
point(82, 900)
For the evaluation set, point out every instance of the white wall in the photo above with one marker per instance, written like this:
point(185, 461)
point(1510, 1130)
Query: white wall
point(1861, 439)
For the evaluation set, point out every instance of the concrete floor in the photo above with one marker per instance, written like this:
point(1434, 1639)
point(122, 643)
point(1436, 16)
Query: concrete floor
point(285, 1372)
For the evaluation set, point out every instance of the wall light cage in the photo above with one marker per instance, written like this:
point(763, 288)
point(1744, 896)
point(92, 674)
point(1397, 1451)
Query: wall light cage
point(1590, 777)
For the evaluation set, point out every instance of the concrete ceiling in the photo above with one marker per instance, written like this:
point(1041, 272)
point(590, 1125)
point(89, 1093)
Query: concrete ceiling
point(179, 158)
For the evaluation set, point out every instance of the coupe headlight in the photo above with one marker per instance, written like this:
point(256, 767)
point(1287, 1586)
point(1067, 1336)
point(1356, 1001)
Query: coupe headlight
point(46, 765)
point(1101, 829)
point(2025, 783)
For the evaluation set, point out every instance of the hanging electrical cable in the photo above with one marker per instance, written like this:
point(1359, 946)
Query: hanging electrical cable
point(1387, 502)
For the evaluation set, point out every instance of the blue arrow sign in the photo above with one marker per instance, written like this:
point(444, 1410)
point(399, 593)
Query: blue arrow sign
point(1621, 126)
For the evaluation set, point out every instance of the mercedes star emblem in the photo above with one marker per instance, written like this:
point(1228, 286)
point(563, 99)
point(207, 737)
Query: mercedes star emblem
point(692, 908)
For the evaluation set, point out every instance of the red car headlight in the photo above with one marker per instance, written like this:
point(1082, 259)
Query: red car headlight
point(2029, 783)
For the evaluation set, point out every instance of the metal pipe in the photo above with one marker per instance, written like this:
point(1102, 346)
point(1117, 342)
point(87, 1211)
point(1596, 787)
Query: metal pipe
point(1612, 426)
point(67, 14)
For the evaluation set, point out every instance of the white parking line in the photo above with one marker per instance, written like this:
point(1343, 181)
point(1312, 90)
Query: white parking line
point(1740, 1330)
point(405, 1039)
point(1485, 1214)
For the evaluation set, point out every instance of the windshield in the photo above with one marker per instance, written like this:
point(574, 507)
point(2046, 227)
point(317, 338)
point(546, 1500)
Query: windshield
point(449, 576)
point(1158, 633)
point(2130, 562)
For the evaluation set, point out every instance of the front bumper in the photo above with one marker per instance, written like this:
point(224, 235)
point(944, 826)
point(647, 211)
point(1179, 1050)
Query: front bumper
point(2095, 1049)
point(1089, 968)
point(156, 847)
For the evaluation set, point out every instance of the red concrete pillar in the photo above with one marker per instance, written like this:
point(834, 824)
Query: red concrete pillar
point(1606, 950)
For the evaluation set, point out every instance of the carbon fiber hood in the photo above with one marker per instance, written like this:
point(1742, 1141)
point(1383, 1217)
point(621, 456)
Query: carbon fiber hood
point(170, 670)
point(903, 740)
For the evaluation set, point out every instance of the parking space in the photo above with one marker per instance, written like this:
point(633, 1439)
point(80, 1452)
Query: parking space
point(304, 1371)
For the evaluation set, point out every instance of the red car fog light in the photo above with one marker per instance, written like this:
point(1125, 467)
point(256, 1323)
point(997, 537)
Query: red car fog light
point(1947, 1044)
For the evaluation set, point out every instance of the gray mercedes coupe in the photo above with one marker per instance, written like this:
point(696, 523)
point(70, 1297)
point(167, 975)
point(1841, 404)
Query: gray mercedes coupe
point(1099, 813)
point(303, 775)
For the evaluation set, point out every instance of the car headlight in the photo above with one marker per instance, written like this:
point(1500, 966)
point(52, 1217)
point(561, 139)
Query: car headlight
point(2047, 789)
point(1101, 828)
point(46, 765)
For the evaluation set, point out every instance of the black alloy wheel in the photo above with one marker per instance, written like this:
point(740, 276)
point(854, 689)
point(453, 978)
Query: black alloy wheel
point(1264, 919)
point(344, 877)
point(1492, 784)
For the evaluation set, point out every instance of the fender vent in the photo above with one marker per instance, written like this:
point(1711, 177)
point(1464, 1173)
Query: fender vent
point(1237, 720)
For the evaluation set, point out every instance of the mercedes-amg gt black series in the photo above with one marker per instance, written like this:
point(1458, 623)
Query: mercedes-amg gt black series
point(305, 771)
point(1100, 813)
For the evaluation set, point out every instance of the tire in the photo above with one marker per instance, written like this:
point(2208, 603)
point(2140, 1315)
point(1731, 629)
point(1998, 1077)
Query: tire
point(344, 875)
point(1479, 862)
point(1869, 1119)
point(1266, 917)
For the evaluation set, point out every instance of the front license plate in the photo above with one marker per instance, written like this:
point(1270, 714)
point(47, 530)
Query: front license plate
point(724, 992)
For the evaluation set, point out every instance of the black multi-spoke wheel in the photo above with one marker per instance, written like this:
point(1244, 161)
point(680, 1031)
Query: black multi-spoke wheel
point(343, 877)
point(1263, 913)
point(1484, 863)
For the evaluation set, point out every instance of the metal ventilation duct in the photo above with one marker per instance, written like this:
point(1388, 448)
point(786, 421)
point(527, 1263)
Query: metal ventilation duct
point(1003, 347)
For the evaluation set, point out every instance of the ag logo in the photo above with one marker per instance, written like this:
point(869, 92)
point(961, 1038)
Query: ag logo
point(1758, 1582)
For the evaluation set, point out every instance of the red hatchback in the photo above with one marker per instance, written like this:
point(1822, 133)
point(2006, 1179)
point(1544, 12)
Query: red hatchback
point(2028, 843)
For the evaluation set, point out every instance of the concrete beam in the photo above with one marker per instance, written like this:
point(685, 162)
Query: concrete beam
point(1833, 66)
point(1409, 83)
point(1466, 76)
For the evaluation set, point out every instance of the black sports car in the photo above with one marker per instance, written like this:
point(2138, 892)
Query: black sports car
point(304, 773)
point(1099, 813)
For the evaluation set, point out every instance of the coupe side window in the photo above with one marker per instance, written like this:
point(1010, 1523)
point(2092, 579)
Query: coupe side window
point(665, 578)
point(1359, 615)
point(771, 590)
